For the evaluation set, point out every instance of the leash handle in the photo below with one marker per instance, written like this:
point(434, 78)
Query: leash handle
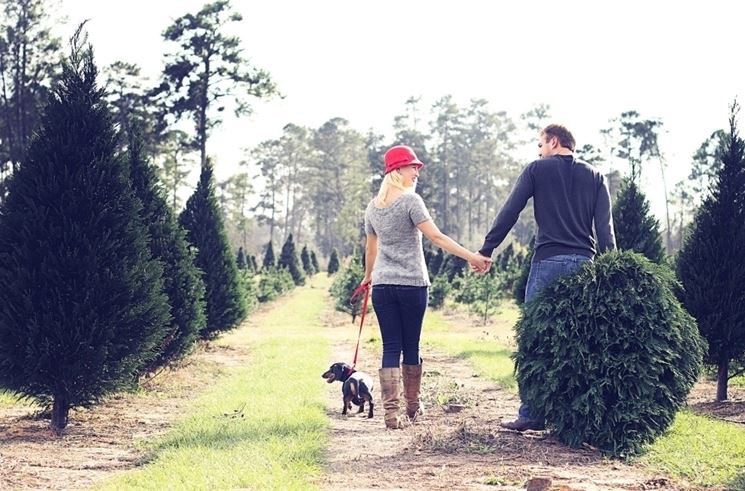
point(358, 293)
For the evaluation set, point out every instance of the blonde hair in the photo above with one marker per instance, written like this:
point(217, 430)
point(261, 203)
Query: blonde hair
point(391, 180)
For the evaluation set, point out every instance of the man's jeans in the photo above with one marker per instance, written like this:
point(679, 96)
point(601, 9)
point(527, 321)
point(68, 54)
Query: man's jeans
point(542, 274)
point(400, 311)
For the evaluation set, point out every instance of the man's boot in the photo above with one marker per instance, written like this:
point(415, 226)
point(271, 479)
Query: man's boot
point(390, 380)
point(412, 387)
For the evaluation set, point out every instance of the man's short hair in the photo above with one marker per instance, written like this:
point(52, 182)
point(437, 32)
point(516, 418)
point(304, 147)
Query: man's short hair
point(564, 135)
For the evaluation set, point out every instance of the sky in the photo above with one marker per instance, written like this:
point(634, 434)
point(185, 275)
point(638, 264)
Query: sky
point(680, 62)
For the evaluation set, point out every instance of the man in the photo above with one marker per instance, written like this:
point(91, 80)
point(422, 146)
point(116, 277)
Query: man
point(568, 197)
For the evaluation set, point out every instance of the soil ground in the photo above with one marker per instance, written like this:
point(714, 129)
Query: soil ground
point(458, 444)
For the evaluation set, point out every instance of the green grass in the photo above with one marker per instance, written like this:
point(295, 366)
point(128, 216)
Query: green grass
point(738, 381)
point(704, 451)
point(489, 358)
point(7, 399)
point(261, 426)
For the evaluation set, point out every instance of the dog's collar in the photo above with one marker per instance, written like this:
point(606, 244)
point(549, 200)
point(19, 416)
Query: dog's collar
point(350, 371)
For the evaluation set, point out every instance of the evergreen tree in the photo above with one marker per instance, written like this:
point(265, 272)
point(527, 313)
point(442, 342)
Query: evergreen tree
point(333, 266)
point(253, 263)
point(314, 262)
point(240, 259)
point(82, 307)
point(305, 259)
point(269, 260)
point(435, 265)
point(226, 303)
point(711, 265)
point(182, 280)
point(636, 228)
point(289, 261)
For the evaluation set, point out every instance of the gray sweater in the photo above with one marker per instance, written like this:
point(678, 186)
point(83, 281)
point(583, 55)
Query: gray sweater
point(568, 197)
point(400, 259)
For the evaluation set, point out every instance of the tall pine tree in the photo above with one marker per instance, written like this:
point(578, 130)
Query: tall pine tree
point(333, 266)
point(288, 260)
point(305, 259)
point(182, 280)
point(240, 259)
point(269, 260)
point(711, 265)
point(636, 229)
point(226, 303)
point(82, 308)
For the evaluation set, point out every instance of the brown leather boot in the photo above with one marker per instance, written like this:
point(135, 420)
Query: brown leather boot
point(390, 380)
point(412, 385)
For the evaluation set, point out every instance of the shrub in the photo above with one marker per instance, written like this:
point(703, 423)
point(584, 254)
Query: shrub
point(273, 283)
point(250, 289)
point(333, 266)
point(346, 281)
point(482, 293)
point(608, 355)
point(438, 292)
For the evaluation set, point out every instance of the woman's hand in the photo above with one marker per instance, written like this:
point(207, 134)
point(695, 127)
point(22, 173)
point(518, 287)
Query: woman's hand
point(366, 281)
point(479, 264)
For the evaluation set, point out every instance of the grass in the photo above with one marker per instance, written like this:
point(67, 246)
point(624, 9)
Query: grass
point(704, 451)
point(490, 358)
point(7, 399)
point(260, 426)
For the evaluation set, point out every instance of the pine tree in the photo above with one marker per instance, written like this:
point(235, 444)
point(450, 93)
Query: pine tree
point(254, 264)
point(182, 280)
point(636, 228)
point(82, 307)
point(289, 261)
point(314, 262)
point(333, 266)
point(240, 259)
point(269, 261)
point(711, 265)
point(305, 259)
point(226, 303)
point(435, 265)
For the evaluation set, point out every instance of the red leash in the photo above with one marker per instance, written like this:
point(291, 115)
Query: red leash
point(358, 293)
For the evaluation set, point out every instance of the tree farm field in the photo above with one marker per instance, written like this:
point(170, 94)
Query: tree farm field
point(249, 410)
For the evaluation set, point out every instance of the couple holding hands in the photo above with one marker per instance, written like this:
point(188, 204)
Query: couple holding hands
point(569, 197)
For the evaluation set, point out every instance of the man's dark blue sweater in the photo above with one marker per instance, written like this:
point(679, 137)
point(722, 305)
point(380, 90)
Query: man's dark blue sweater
point(568, 196)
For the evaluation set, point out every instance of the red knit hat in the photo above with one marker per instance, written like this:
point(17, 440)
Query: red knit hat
point(400, 156)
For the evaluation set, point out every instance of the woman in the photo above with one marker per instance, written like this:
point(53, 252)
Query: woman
point(394, 263)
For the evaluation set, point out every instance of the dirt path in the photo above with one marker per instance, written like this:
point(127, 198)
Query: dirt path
point(447, 450)
point(458, 444)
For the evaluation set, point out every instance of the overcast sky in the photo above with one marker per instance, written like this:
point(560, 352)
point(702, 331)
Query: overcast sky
point(680, 62)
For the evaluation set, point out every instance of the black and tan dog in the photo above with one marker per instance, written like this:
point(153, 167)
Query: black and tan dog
point(356, 386)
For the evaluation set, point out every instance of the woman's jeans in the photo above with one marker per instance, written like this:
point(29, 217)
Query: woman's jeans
point(400, 311)
point(542, 274)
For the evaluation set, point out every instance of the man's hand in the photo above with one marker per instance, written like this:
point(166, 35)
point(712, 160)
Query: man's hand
point(480, 264)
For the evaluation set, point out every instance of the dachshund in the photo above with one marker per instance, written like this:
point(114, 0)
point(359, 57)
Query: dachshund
point(356, 387)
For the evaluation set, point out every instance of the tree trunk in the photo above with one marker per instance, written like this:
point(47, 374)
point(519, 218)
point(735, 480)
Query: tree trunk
point(202, 121)
point(722, 378)
point(60, 409)
point(668, 242)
